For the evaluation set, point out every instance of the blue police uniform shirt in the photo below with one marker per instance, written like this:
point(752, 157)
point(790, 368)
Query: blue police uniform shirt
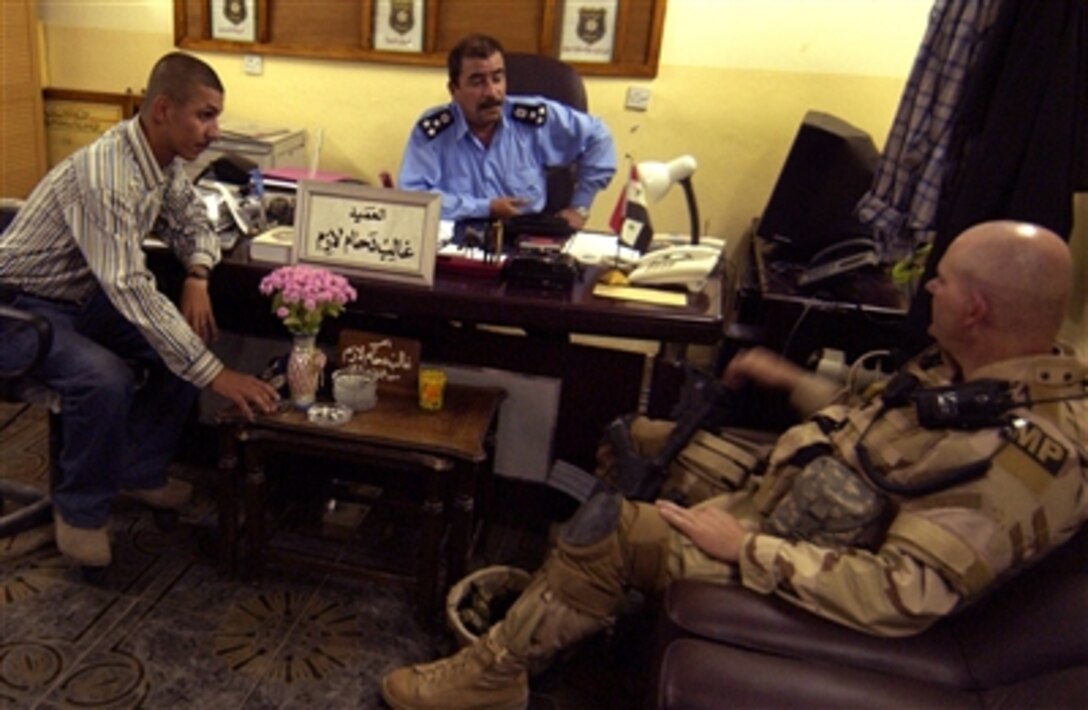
point(444, 156)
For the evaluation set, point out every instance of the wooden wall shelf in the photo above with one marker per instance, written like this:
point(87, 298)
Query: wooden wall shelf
point(343, 30)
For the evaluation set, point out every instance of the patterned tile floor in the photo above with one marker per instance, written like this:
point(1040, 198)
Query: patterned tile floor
point(163, 628)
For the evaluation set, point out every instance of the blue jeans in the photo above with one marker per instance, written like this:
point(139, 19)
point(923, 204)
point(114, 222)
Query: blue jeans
point(122, 410)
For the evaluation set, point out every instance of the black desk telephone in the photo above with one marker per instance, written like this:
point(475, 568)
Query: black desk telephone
point(481, 233)
point(536, 224)
point(538, 270)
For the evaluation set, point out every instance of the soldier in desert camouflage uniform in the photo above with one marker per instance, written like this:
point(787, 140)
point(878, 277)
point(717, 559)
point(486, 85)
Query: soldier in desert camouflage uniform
point(935, 515)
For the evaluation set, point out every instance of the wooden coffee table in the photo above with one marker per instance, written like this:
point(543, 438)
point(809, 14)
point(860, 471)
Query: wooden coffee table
point(448, 449)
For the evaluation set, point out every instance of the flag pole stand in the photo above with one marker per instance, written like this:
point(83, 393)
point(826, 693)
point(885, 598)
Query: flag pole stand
point(614, 276)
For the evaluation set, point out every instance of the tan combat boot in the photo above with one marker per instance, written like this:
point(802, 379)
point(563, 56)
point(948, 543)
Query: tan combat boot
point(481, 675)
point(493, 671)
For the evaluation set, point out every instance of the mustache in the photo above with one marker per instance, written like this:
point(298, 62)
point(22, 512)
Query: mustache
point(490, 103)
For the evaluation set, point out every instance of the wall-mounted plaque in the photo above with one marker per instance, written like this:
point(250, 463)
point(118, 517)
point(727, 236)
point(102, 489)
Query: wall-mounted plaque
point(398, 25)
point(234, 20)
point(74, 119)
point(589, 30)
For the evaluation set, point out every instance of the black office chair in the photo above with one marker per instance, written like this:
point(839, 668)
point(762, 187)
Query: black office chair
point(33, 505)
point(536, 74)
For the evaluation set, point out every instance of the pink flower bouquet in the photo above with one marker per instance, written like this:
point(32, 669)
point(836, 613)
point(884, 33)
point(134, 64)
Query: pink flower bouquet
point(302, 296)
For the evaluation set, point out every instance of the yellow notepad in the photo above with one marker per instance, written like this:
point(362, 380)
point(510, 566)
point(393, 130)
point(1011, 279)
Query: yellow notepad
point(644, 295)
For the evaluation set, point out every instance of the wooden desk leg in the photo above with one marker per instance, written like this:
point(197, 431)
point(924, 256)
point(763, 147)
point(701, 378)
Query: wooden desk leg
point(461, 524)
point(227, 500)
point(427, 569)
point(255, 511)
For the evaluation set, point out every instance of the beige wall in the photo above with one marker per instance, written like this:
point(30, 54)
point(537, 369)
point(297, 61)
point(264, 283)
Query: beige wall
point(736, 77)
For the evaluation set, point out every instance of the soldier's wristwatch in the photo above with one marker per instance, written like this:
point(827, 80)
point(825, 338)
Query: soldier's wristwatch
point(583, 212)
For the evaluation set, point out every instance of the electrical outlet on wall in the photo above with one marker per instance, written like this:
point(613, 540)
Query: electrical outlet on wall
point(253, 64)
point(638, 98)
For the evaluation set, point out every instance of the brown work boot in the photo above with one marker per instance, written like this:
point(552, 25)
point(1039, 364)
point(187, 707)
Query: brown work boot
point(482, 675)
point(175, 494)
point(89, 547)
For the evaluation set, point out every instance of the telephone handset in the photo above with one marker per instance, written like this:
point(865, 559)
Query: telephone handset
point(689, 265)
point(236, 213)
point(837, 259)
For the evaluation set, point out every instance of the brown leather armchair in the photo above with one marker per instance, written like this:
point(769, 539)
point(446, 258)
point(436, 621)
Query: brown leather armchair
point(1024, 645)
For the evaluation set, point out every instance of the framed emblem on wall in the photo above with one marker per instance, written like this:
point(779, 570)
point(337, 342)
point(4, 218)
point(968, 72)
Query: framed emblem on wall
point(234, 20)
point(588, 32)
point(398, 25)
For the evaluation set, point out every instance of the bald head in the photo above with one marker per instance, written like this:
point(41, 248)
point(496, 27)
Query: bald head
point(1004, 287)
point(1025, 271)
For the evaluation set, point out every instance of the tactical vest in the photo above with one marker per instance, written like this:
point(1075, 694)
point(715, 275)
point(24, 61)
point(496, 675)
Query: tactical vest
point(972, 531)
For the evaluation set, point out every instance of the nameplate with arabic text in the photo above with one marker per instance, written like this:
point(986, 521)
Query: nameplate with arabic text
point(368, 232)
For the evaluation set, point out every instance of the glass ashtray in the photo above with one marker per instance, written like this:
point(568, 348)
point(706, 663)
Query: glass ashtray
point(328, 414)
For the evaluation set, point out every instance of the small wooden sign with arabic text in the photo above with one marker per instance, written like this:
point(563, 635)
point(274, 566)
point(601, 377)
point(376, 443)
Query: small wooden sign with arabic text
point(394, 360)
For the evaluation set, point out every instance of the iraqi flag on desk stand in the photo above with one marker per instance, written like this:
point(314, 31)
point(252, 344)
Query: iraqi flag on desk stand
point(630, 217)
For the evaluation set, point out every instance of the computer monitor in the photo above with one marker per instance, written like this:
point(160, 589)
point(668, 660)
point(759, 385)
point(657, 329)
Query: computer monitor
point(829, 167)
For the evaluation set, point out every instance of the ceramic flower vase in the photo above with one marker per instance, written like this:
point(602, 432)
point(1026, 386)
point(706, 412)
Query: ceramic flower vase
point(304, 367)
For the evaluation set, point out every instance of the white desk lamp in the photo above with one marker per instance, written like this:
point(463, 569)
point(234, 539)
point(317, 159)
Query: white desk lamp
point(657, 178)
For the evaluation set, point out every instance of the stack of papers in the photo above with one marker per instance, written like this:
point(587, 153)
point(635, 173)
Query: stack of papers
point(289, 177)
point(599, 248)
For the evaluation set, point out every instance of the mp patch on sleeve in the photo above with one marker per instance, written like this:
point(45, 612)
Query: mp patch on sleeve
point(1040, 447)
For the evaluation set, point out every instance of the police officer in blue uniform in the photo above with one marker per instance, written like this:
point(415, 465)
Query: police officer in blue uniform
point(486, 153)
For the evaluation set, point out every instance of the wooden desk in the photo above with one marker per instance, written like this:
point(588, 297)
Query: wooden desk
point(598, 384)
point(856, 312)
point(490, 301)
point(448, 449)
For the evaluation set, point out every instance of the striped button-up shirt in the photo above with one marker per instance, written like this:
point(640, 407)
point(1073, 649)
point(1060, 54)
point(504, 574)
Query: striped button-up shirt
point(901, 206)
point(82, 228)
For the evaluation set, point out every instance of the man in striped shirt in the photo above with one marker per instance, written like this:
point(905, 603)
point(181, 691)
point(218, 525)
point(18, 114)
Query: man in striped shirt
point(74, 255)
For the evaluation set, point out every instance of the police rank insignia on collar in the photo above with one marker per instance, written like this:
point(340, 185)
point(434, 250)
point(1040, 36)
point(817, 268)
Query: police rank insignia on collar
point(435, 123)
point(532, 114)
